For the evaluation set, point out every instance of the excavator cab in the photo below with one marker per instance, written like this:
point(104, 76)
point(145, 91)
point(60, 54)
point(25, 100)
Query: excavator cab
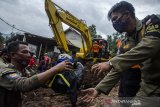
point(103, 54)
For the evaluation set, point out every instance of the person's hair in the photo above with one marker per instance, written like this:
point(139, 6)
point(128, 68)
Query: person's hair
point(3, 51)
point(4, 55)
point(14, 46)
point(121, 7)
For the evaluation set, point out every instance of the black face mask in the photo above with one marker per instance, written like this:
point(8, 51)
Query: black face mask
point(120, 26)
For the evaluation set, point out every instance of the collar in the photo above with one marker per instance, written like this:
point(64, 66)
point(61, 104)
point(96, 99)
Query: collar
point(10, 65)
point(138, 24)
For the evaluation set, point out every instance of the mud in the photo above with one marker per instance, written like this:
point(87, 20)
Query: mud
point(44, 97)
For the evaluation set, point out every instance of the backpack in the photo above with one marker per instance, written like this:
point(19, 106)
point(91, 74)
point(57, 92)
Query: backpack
point(65, 83)
point(62, 82)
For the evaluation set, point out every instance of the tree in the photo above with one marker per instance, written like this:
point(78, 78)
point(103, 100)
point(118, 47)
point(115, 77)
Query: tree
point(1, 39)
point(112, 43)
point(92, 30)
point(99, 36)
point(12, 34)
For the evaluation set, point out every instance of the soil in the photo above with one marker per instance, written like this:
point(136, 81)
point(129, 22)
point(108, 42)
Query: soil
point(45, 97)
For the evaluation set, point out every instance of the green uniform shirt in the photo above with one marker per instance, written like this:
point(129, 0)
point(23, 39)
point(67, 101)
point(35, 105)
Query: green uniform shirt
point(12, 79)
point(12, 84)
point(146, 51)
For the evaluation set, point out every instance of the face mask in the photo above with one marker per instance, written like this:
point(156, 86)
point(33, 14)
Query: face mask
point(120, 26)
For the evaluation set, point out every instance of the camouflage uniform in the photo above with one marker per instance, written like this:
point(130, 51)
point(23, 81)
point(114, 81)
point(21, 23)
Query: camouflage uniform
point(146, 51)
point(2, 63)
point(12, 84)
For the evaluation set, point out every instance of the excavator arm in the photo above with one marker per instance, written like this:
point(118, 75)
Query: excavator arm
point(56, 16)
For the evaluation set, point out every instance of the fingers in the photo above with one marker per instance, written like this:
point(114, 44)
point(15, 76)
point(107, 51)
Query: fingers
point(94, 67)
point(87, 98)
point(68, 66)
point(99, 73)
point(85, 91)
point(84, 97)
point(89, 95)
point(96, 71)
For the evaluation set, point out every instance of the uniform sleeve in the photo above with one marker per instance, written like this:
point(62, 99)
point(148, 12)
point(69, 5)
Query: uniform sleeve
point(144, 50)
point(27, 84)
point(13, 81)
point(108, 82)
point(147, 48)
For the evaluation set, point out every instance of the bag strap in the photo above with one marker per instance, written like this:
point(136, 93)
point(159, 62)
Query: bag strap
point(63, 78)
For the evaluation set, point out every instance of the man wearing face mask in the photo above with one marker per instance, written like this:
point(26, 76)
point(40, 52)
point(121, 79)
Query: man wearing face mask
point(13, 80)
point(145, 38)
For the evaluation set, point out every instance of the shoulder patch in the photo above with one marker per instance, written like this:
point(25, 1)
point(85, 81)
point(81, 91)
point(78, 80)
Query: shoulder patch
point(5, 71)
point(152, 26)
point(13, 76)
point(153, 30)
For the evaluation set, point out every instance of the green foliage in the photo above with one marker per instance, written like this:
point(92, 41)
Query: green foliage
point(12, 34)
point(111, 39)
point(1, 39)
point(99, 36)
point(93, 32)
point(112, 44)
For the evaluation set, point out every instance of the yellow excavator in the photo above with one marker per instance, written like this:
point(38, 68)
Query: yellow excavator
point(56, 16)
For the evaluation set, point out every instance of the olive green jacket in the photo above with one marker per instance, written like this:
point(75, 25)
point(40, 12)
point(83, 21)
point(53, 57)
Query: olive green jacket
point(13, 83)
point(146, 53)
point(12, 79)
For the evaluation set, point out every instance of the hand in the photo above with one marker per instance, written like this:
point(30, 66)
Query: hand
point(90, 95)
point(63, 66)
point(100, 68)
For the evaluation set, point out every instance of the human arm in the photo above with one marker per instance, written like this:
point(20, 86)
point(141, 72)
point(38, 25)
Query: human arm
point(108, 82)
point(16, 82)
point(146, 49)
point(104, 86)
point(121, 63)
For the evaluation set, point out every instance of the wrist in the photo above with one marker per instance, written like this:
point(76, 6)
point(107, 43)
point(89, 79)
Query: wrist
point(54, 70)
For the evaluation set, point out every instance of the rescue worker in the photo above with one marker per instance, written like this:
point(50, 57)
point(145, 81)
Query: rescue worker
point(95, 49)
point(101, 48)
point(131, 78)
point(12, 78)
point(146, 52)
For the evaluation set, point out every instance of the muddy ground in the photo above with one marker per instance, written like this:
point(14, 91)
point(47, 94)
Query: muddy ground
point(48, 98)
